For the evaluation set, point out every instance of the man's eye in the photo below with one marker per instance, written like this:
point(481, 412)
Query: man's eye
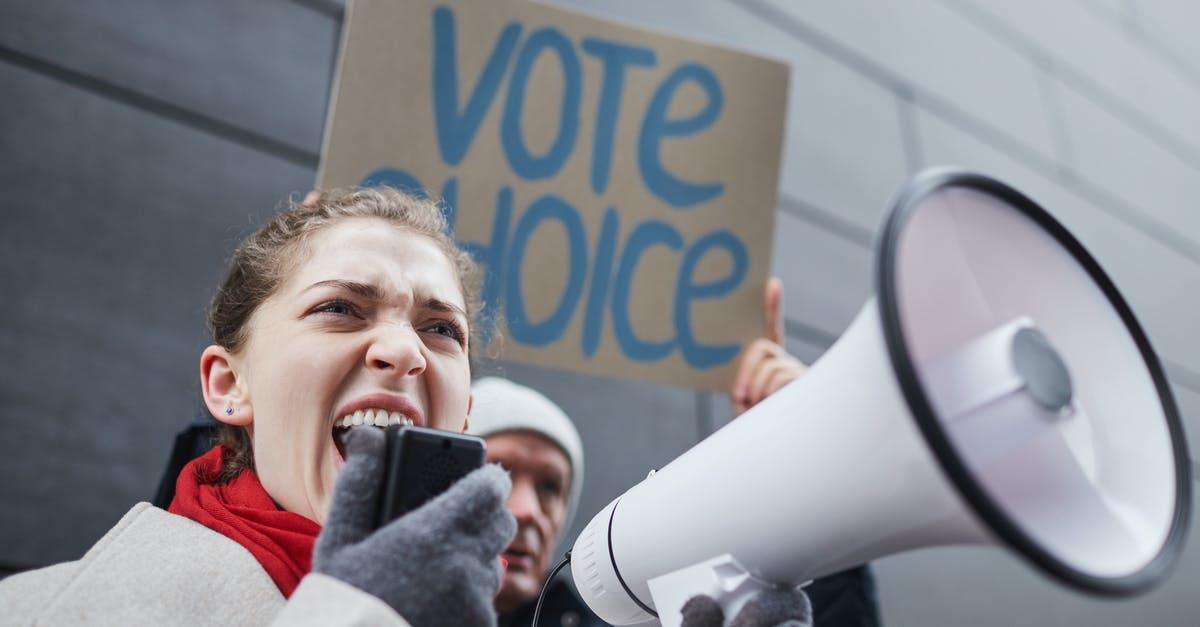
point(551, 488)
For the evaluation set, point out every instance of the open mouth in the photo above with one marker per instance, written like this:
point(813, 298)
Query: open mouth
point(518, 560)
point(380, 418)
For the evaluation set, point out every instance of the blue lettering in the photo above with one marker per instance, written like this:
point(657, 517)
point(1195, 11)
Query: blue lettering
point(644, 236)
point(593, 313)
point(615, 57)
point(492, 257)
point(552, 328)
point(686, 291)
point(524, 164)
point(455, 132)
point(656, 126)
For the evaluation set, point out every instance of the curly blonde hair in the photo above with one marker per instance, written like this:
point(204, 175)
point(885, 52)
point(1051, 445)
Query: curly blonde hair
point(264, 260)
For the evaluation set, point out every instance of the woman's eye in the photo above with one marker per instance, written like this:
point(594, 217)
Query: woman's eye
point(336, 307)
point(449, 329)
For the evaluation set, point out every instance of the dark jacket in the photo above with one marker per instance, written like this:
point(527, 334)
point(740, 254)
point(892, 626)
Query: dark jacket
point(562, 608)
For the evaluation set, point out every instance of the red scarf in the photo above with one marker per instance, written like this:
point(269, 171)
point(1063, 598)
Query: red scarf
point(241, 510)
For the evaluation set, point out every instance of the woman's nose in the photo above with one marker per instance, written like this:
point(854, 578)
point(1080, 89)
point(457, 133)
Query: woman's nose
point(397, 348)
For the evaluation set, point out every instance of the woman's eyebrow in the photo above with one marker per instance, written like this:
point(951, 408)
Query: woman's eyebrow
point(443, 306)
point(373, 292)
point(362, 290)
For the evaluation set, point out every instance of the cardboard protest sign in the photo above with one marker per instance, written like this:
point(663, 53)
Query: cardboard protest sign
point(617, 186)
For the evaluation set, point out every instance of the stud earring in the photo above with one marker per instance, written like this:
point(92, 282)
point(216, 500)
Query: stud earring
point(229, 410)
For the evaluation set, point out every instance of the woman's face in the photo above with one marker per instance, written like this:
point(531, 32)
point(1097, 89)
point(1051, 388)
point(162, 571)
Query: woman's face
point(372, 321)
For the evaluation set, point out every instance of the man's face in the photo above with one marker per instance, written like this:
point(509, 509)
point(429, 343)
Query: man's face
point(541, 478)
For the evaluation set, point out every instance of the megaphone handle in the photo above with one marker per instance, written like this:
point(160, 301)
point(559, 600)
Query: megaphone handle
point(722, 578)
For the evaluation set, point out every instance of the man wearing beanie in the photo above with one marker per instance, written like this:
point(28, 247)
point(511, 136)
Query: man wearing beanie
point(535, 441)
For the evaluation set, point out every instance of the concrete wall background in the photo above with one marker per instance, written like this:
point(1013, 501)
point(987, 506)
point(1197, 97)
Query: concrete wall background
point(140, 139)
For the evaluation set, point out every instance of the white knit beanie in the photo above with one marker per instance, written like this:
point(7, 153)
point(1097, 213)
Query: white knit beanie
point(501, 405)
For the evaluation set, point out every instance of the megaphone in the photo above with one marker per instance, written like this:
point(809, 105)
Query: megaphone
point(996, 389)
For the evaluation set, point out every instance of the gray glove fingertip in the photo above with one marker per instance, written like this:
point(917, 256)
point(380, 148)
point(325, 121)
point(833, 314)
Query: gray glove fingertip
point(702, 611)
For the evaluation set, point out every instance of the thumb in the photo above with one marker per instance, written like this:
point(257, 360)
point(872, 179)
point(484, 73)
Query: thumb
point(773, 310)
point(354, 506)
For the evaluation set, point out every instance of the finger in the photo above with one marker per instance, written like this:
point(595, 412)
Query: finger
point(311, 198)
point(783, 376)
point(758, 350)
point(768, 372)
point(353, 508)
point(773, 306)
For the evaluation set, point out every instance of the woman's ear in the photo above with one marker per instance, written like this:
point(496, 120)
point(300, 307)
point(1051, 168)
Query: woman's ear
point(224, 391)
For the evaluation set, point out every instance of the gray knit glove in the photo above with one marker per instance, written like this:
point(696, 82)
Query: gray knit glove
point(436, 565)
point(775, 607)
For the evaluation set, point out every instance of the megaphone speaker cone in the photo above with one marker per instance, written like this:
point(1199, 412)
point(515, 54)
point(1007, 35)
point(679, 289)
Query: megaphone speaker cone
point(1092, 484)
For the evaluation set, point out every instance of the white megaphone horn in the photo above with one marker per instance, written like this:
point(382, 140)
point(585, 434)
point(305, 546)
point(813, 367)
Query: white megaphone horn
point(996, 389)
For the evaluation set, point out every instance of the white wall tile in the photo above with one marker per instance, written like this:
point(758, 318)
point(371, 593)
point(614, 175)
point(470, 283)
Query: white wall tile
point(1171, 24)
point(939, 54)
point(1132, 76)
point(1111, 155)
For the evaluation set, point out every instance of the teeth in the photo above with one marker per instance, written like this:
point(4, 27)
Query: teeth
point(376, 417)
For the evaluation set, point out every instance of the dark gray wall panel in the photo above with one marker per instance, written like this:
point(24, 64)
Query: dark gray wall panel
point(264, 65)
point(117, 224)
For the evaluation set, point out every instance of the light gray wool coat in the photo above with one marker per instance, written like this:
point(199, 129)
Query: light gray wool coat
point(156, 568)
